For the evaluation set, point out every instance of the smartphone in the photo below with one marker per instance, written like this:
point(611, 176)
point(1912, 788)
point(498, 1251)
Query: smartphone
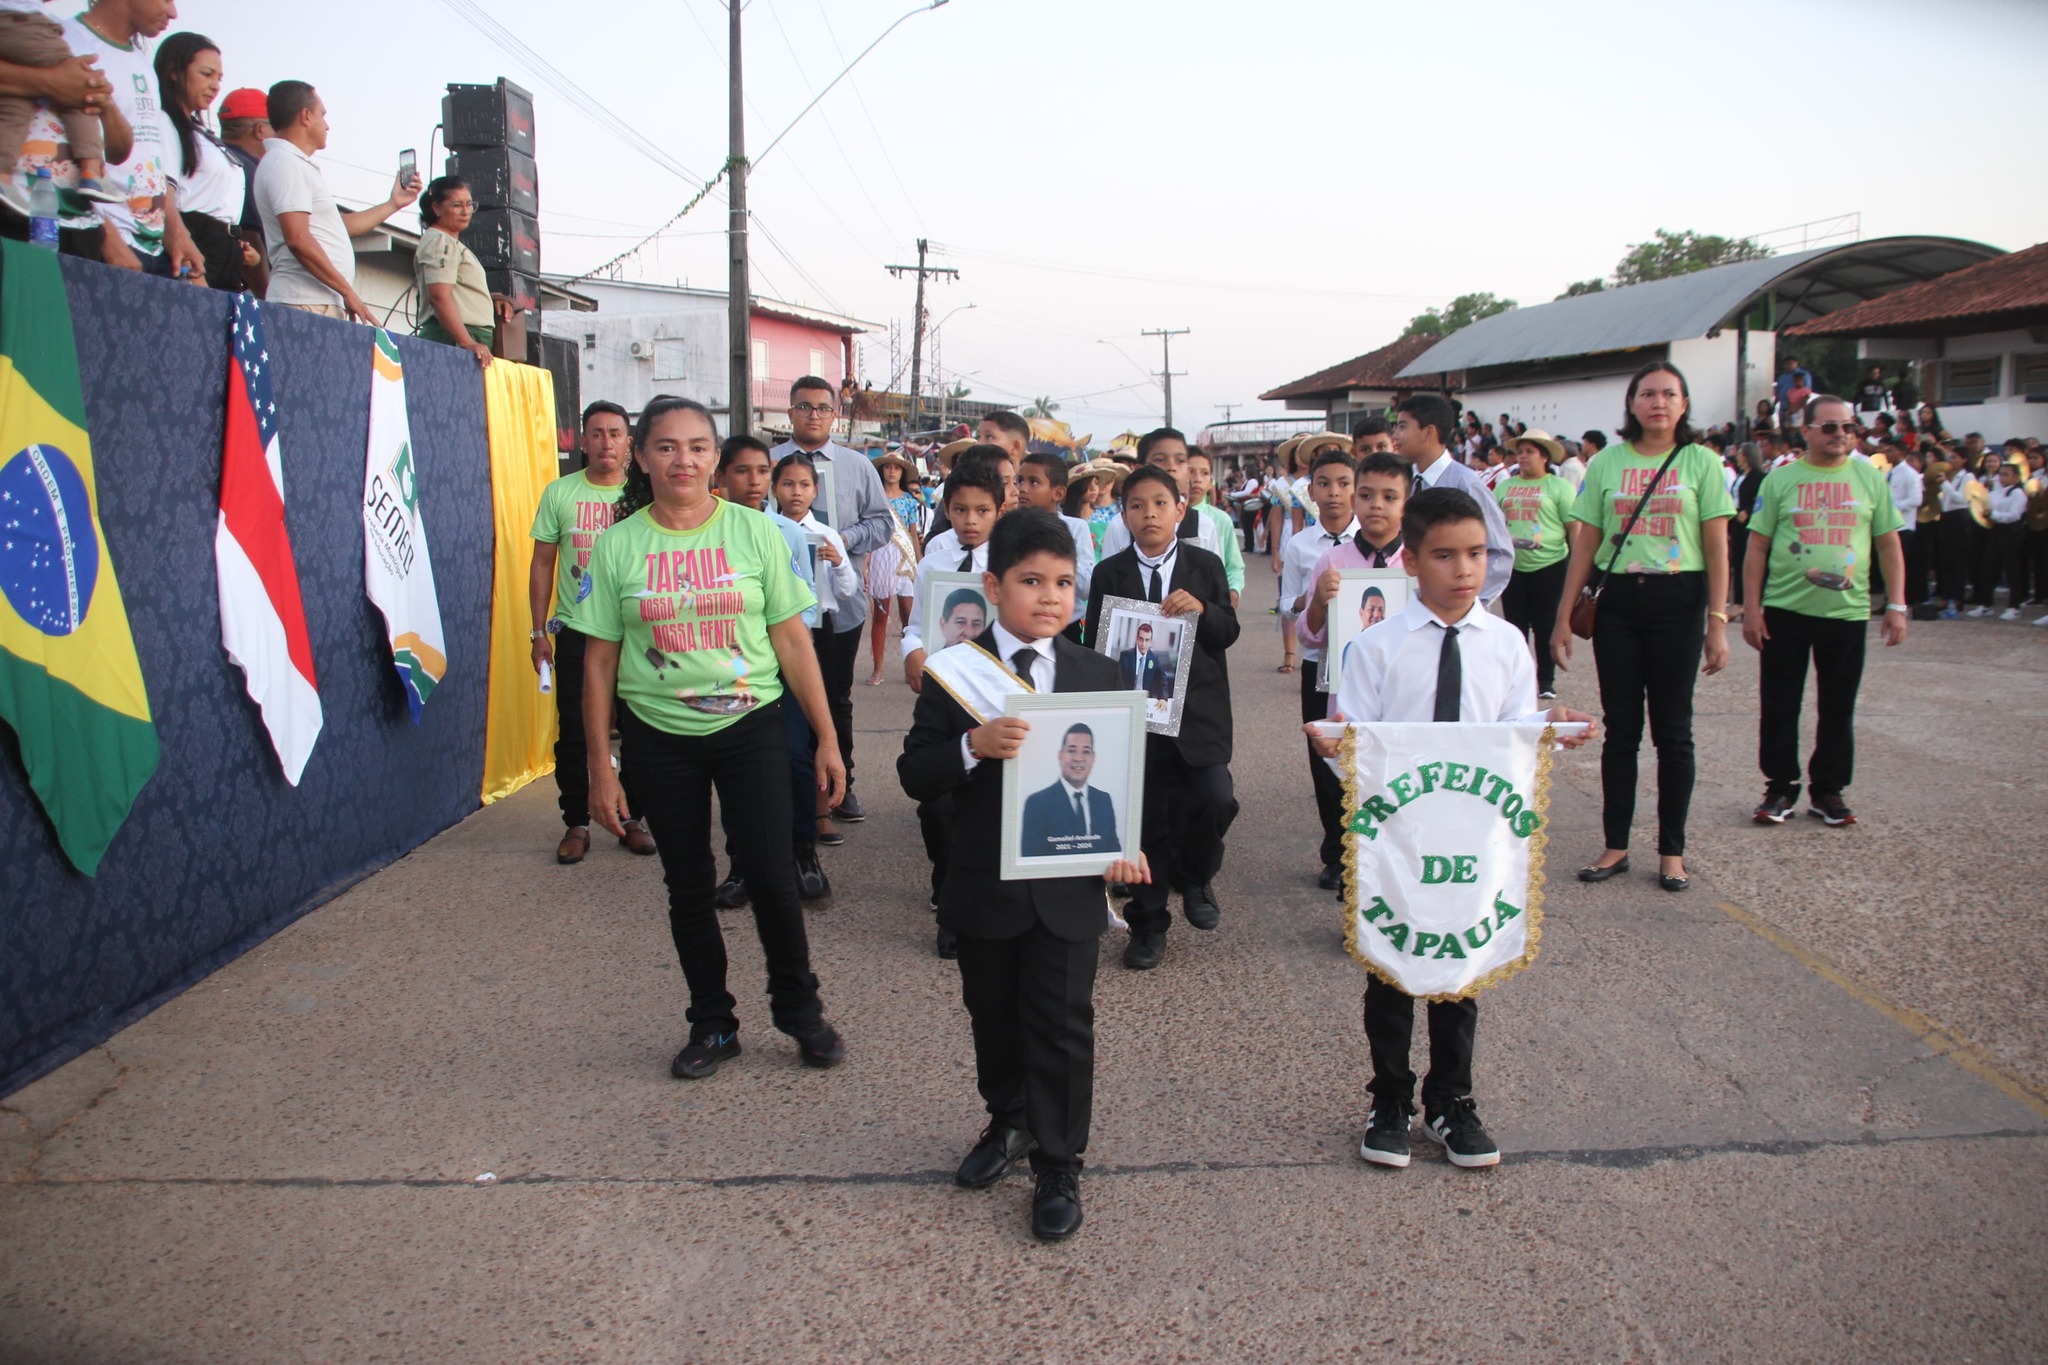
point(408, 166)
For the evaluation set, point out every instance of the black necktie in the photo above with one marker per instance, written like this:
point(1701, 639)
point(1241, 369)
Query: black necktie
point(1022, 660)
point(1152, 585)
point(967, 562)
point(1450, 677)
point(1080, 816)
point(1378, 554)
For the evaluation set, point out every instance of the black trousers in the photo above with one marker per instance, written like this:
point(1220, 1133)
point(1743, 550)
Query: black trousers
point(1916, 542)
point(935, 822)
point(219, 248)
point(1647, 640)
point(1329, 790)
point(1738, 548)
point(2037, 552)
point(1529, 602)
point(572, 755)
point(838, 654)
point(1957, 531)
point(1188, 809)
point(2009, 549)
point(803, 785)
point(748, 763)
point(1032, 1003)
point(1836, 648)
point(1389, 1031)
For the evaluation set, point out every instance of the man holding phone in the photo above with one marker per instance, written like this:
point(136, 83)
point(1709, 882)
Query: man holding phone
point(312, 264)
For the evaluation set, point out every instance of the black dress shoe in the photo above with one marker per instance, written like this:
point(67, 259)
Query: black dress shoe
point(849, 809)
point(821, 1047)
point(1056, 1206)
point(1198, 903)
point(1601, 874)
point(999, 1148)
point(811, 883)
point(731, 893)
point(1330, 879)
point(945, 945)
point(1145, 951)
point(1670, 883)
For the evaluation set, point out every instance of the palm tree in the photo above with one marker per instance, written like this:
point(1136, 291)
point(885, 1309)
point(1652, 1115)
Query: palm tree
point(958, 391)
point(1042, 406)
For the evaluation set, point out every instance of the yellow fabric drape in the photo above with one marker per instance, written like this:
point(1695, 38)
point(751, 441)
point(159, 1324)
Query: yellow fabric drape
point(519, 732)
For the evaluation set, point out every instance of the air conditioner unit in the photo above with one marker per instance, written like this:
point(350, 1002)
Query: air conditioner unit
point(641, 350)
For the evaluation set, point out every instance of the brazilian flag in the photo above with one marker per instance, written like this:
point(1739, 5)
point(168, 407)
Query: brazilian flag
point(70, 684)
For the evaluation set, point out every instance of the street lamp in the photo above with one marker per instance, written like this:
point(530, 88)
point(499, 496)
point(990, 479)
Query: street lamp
point(936, 375)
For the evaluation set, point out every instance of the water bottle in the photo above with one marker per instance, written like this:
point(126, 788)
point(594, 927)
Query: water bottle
point(42, 210)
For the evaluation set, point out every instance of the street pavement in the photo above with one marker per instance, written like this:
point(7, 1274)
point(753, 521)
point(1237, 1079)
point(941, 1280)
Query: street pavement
point(1799, 1113)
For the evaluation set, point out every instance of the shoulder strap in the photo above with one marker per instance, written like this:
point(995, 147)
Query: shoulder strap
point(1641, 503)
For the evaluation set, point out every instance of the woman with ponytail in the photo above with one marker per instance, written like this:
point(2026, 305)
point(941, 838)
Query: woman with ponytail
point(695, 619)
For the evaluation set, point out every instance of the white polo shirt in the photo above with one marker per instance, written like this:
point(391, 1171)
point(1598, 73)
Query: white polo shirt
point(287, 181)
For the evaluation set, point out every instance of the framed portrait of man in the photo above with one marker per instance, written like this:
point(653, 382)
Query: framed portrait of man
point(1365, 597)
point(1154, 651)
point(1073, 797)
point(954, 610)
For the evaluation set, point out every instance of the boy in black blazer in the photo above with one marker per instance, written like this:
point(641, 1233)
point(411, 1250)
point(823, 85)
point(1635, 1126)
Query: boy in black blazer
point(1027, 949)
point(1189, 799)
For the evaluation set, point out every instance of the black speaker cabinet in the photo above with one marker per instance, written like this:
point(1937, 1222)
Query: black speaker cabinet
point(499, 178)
point(558, 356)
point(523, 290)
point(504, 239)
point(478, 116)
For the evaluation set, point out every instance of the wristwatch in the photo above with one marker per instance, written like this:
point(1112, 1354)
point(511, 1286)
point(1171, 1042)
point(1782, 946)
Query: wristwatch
point(540, 634)
point(1896, 606)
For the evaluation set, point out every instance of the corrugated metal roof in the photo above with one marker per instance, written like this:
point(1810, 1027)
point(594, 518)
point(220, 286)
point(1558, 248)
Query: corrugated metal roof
point(1373, 370)
point(2009, 290)
point(1809, 283)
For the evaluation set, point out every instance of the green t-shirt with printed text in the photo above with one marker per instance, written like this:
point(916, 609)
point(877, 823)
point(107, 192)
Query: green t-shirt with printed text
point(1536, 510)
point(691, 611)
point(1821, 523)
point(573, 512)
point(1666, 538)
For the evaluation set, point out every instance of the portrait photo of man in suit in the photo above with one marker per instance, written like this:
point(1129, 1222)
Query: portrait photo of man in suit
point(1143, 669)
point(1070, 816)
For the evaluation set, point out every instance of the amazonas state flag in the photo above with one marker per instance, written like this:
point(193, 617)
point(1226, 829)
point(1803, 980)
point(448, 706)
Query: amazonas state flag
point(70, 684)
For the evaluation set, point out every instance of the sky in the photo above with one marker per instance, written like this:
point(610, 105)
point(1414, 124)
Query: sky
point(1289, 180)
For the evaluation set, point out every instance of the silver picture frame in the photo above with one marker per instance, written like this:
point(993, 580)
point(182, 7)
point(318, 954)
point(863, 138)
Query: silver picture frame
point(1042, 834)
point(941, 590)
point(1342, 626)
point(1172, 649)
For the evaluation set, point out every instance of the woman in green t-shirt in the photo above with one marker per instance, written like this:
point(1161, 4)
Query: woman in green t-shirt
point(1662, 604)
point(695, 619)
point(1536, 503)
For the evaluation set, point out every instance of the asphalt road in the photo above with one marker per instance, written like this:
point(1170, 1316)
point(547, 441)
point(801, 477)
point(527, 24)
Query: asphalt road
point(1798, 1113)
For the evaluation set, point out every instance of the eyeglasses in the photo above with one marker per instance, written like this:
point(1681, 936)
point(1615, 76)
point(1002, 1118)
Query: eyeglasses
point(812, 409)
point(1837, 428)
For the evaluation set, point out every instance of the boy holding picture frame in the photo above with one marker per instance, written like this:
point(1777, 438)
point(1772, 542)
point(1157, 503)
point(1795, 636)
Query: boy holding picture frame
point(1027, 948)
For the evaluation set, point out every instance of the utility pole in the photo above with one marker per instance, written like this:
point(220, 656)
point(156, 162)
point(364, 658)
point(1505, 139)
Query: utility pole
point(1166, 336)
point(1228, 408)
point(739, 292)
point(917, 335)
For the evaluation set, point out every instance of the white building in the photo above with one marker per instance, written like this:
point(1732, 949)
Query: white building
point(1565, 366)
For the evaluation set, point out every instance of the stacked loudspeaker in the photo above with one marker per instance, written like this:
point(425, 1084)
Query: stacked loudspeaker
point(489, 131)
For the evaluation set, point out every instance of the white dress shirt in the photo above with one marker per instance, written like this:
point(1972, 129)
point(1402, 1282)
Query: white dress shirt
point(1007, 646)
point(1391, 673)
point(1084, 561)
point(1446, 472)
point(941, 555)
point(2008, 505)
point(1164, 564)
point(1297, 569)
point(1117, 534)
point(1955, 491)
point(1907, 490)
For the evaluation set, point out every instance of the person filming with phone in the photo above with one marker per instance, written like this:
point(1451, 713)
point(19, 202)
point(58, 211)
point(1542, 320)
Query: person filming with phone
point(312, 264)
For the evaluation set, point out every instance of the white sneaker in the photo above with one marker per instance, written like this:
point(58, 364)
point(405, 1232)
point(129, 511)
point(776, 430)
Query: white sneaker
point(2009, 614)
point(2041, 621)
point(1978, 611)
point(1546, 697)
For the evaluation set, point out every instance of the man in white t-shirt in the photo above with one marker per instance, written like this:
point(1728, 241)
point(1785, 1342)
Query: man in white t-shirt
point(143, 231)
point(312, 263)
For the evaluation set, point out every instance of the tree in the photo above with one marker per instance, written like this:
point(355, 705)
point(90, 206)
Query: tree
point(1041, 406)
point(958, 391)
point(1572, 291)
point(1462, 311)
point(1681, 253)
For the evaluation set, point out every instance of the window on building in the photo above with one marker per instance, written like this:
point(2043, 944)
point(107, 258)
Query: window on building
point(760, 360)
point(817, 363)
point(2030, 375)
point(671, 358)
point(1969, 381)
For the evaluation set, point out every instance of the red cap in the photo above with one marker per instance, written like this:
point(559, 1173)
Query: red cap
point(248, 102)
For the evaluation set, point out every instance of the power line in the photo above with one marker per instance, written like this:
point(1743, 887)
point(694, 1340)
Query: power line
point(1139, 277)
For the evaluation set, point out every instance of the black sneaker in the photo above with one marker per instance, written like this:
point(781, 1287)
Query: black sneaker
point(945, 945)
point(811, 882)
point(1386, 1134)
point(1330, 879)
point(706, 1049)
point(1146, 950)
point(1465, 1139)
point(1198, 903)
point(1777, 807)
point(731, 893)
point(850, 809)
point(1828, 806)
point(822, 1047)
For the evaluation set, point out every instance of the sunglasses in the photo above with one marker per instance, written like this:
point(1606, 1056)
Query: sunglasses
point(1837, 428)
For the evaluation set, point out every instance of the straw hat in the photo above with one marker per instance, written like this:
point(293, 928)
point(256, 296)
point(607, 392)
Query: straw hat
point(944, 456)
point(904, 467)
point(1537, 436)
point(1102, 468)
point(1313, 444)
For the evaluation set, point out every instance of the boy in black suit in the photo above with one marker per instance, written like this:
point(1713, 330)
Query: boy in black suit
point(1189, 800)
point(1027, 949)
